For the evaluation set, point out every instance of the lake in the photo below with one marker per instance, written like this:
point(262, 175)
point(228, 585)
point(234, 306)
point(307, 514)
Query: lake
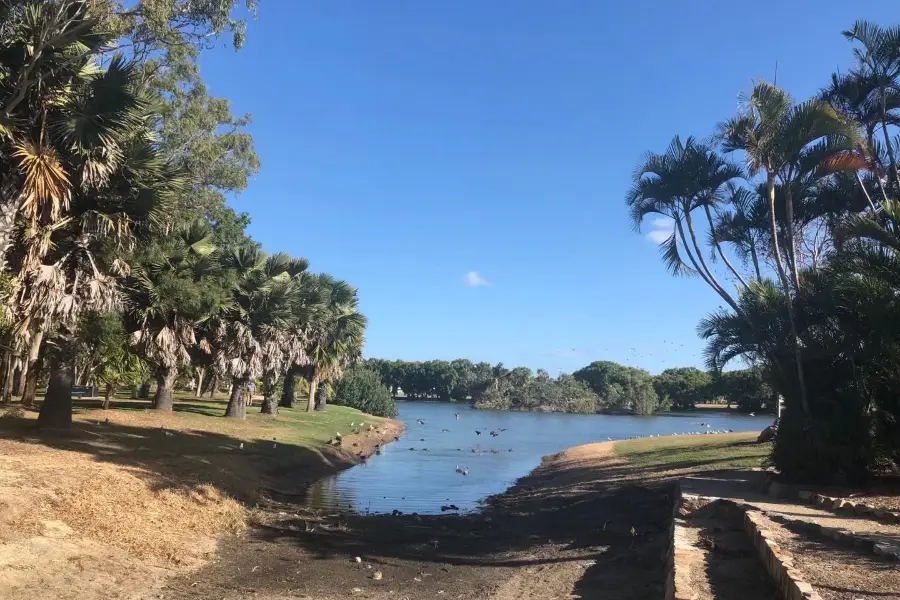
point(418, 472)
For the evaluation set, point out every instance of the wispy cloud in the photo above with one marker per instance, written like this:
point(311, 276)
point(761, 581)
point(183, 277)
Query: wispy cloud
point(473, 279)
point(663, 227)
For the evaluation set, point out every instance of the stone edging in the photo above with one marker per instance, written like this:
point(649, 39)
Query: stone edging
point(844, 504)
point(670, 551)
point(779, 565)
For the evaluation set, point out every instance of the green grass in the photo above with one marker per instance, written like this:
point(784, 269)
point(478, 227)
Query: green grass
point(291, 426)
point(738, 450)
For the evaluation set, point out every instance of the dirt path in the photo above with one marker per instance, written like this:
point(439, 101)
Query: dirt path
point(561, 532)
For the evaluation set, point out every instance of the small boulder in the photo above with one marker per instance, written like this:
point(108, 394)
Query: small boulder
point(767, 435)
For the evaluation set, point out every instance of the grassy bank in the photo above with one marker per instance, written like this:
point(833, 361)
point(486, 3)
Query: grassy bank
point(136, 492)
point(732, 451)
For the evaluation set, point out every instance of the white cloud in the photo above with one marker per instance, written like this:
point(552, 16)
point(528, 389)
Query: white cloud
point(473, 279)
point(663, 227)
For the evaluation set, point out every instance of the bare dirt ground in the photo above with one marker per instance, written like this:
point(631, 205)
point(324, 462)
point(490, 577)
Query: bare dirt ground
point(562, 532)
point(111, 509)
point(838, 573)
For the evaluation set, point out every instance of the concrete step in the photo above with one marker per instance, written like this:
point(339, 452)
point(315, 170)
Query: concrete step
point(715, 559)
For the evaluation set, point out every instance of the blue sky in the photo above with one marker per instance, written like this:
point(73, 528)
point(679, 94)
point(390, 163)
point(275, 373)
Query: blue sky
point(414, 147)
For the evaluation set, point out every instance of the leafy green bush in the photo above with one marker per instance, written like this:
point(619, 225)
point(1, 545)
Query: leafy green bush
point(363, 390)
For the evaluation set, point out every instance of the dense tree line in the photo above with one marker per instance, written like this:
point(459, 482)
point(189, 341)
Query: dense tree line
point(798, 204)
point(599, 387)
point(107, 133)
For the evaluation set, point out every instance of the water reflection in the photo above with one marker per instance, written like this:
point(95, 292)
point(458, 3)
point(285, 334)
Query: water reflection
point(422, 471)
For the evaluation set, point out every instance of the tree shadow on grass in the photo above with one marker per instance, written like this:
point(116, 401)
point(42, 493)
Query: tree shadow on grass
point(183, 458)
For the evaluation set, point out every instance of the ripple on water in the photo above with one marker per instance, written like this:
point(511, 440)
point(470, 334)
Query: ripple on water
point(418, 473)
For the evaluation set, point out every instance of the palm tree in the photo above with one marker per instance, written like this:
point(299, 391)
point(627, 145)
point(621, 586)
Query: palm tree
point(336, 339)
point(878, 69)
point(744, 227)
point(170, 292)
point(859, 97)
point(687, 177)
point(791, 144)
point(61, 115)
point(250, 335)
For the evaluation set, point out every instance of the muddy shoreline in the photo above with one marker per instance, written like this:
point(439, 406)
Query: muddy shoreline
point(563, 530)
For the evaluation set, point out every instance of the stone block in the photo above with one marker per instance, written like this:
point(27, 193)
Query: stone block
point(862, 509)
point(804, 495)
point(801, 590)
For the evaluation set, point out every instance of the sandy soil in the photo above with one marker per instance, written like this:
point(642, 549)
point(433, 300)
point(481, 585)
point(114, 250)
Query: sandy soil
point(577, 538)
point(112, 510)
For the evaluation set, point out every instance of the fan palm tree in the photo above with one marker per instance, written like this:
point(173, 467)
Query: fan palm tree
point(250, 335)
point(791, 144)
point(61, 115)
point(687, 177)
point(336, 339)
point(175, 288)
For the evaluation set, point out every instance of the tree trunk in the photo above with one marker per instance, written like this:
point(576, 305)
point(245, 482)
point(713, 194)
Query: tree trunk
point(719, 247)
point(8, 212)
point(18, 377)
point(107, 396)
point(200, 372)
point(287, 393)
point(33, 368)
point(792, 247)
point(214, 385)
point(322, 396)
point(712, 278)
point(165, 389)
point(269, 406)
point(10, 363)
point(237, 405)
point(755, 258)
point(311, 401)
point(786, 286)
point(56, 411)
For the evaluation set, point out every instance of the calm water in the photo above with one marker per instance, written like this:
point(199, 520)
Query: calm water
point(422, 480)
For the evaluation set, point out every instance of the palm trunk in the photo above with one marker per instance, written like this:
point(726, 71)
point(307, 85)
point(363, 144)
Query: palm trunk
point(237, 404)
point(214, 385)
point(7, 224)
point(56, 411)
point(792, 257)
point(200, 372)
point(287, 393)
point(701, 267)
point(18, 379)
point(164, 399)
point(786, 286)
point(311, 401)
point(107, 396)
point(719, 248)
point(322, 397)
point(10, 375)
point(33, 368)
point(755, 258)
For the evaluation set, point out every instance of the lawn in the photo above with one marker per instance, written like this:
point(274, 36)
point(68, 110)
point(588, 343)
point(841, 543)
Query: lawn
point(292, 426)
point(738, 450)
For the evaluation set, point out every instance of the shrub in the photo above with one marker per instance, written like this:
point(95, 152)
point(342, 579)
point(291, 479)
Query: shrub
point(363, 390)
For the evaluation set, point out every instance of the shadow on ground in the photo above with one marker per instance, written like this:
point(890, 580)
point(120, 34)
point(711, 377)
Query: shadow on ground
point(585, 541)
point(174, 458)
